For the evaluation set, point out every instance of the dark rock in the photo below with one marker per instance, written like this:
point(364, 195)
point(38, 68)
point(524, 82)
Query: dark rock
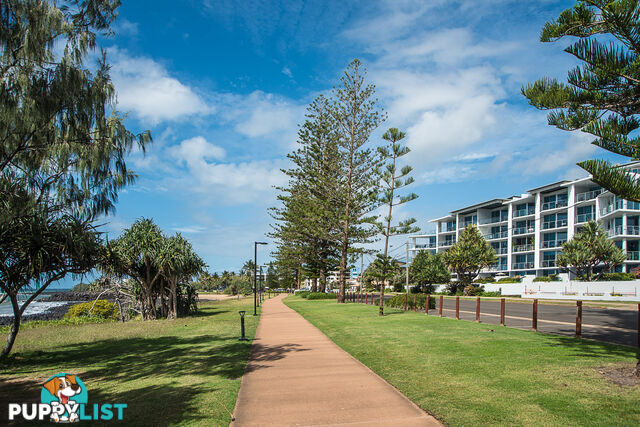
point(54, 313)
point(76, 296)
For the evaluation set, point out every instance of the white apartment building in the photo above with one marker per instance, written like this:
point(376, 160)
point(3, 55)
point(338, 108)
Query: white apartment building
point(527, 231)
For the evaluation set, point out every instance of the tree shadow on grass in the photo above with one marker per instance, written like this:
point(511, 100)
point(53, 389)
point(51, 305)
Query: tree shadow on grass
point(591, 348)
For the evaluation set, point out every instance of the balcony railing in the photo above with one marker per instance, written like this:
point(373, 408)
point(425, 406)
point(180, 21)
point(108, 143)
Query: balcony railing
point(548, 263)
point(632, 230)
point(552, 243)
point(589, 195)
point(425, 246)
point(523, 248)
point(554, 205)
point(524, 230)
point(446, 243)
point(498, 267)
point(493, 220)
point(449, 229)
point(466, 224)
point(523, 212)
point(585, 218)
point(554, 224)
point(501, 251)
point(633, 256)
point(499, 235)
point(612, 207)
point(522, 265)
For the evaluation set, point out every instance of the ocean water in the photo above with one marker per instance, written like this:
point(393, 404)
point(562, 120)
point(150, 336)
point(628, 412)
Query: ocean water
point(36, 307)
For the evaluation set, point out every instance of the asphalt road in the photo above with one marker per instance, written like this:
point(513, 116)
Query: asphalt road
point(613, 325)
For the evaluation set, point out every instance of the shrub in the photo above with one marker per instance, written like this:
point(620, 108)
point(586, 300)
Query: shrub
point(303, 294)
point(471, 290)
point(486, 280)
point(321, 295)
point(614, 277)
point(421, 299)
point(490, 294)
point(515, 279)
point(103, 309)
point(454, 288)
point(81, 287)
point(187, 299)
point(542, 279)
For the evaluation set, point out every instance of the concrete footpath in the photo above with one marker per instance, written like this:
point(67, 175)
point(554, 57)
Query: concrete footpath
point(297, 376)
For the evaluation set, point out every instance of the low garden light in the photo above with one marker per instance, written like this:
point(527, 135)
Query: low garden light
point(243, 337)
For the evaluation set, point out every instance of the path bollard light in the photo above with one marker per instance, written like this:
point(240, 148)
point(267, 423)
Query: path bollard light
point(242, 338)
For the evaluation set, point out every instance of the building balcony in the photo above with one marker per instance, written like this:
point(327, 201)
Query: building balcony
point(546, 263)
point(554, 205)
point(493, 221)
point(499, 235)
point(524, 212)
point(446, 243)
point(552, 244)
point(631, 230)
point(589, 195)
point(523, 248)
point(522, 265)
point(466, 224)
point(501, 251)
point(633, 256)
point(524, 230)
point(425, 246)
point(612, 207)
point(585, 218)
point(498, 267)
point(554, 224)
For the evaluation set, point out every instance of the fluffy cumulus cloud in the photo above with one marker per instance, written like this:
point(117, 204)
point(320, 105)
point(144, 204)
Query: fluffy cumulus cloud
point(146, 88)
point(229, 183)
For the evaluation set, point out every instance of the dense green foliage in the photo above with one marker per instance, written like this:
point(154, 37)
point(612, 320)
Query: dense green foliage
point(600, 95)
point(590, 249)
point(102, 309)
point(427, 269)
point(470, 254)
point(549, 278)
point(321, 295)
point(63, 145)
point(614, 277)
point(397, 301)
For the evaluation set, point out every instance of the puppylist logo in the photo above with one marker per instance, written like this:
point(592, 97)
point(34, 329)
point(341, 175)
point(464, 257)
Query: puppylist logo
point(64, 399)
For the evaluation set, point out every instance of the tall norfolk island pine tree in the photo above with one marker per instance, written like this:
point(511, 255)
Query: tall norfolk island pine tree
point(356, 115)
point(392, 181)
point(601, 97)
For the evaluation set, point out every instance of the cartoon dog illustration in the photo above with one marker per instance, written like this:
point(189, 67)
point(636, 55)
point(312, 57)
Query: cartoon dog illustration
point(63, 388)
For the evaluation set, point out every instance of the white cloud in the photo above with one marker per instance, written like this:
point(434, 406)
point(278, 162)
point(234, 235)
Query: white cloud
point(287, 72)
point(124, 27)
point(146, 88)
point(446, 174)
point(262, 114)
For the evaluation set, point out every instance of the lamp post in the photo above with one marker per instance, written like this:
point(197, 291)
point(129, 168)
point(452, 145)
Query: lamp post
point(261, 287)
point(255, 276)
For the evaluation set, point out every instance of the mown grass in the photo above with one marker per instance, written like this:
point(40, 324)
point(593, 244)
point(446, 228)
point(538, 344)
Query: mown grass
point(178, 372)
point(476, 374)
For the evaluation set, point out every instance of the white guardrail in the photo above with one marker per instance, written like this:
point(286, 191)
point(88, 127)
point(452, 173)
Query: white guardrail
point(571, 290)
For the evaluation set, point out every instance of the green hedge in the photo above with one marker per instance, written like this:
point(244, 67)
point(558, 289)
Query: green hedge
point(398, 301)
point(615, 277)
point(103, 309)
point(509, 280)
point(321, 295)
point(303, 294)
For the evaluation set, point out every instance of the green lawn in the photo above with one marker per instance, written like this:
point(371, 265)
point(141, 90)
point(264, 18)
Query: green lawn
point(180, 372)
point(475, 374)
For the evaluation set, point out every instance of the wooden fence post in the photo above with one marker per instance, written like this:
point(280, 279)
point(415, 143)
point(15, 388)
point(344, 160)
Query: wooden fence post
point(426, 305)
point(415, 302)
point(534, 319)
point(458, 308)
point(501, 311)
point(405, 302)
point(478, 310)
point(441, 300)
point(579, 319)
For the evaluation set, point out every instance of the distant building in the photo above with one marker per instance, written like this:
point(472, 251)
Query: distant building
point(527, 231)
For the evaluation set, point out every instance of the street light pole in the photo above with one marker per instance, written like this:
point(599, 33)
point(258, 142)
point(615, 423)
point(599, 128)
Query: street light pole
point(255, 276)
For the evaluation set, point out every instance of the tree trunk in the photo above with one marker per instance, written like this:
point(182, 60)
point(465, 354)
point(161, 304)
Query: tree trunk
point(173, 312)
point(323, 280)
point(636, 370)
point(15, 326)
point(381, 309)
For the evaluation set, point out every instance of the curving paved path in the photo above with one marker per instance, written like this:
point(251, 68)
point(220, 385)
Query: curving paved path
point(298, 376)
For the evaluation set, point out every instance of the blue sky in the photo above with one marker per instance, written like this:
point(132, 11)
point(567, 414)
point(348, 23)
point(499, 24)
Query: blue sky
point(222, 85)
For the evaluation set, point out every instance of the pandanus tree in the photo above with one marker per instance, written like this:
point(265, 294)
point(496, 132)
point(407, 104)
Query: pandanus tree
point(382, 270)
point(600, 96)
point(178, 262)
point(62, 143)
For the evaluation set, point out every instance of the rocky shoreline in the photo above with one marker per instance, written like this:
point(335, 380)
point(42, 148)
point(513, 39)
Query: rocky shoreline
point(54, 313)
point(58, 312)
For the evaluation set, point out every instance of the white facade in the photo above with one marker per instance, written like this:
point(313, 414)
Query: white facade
point(528, 231)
